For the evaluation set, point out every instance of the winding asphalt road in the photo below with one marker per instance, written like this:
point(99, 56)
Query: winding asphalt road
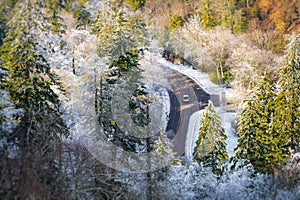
point(180, 110)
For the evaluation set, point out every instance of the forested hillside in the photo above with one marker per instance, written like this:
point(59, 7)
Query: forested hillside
point(248, 15)
point(98, 98)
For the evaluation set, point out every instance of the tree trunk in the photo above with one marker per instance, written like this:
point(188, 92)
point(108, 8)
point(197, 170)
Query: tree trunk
point(73, 61)
point(149, 176)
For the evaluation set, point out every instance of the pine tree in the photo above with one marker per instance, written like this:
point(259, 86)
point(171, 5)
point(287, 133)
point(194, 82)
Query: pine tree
point(287, 111)
point(119, 37)
point(31, 85)
point(163, 148)
point(123, 79)
point(232, 17)
point(118, 33)
point(211, 146)
point(258, 144)
point(29, 81)
point(246, 147)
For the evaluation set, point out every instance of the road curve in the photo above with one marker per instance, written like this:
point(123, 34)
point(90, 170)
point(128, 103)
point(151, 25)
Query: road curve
point(180, 115)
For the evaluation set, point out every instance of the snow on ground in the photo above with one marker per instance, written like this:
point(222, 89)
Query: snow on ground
point(227, 121)
point(226, 118)
point(199, 77)
point(166, 106)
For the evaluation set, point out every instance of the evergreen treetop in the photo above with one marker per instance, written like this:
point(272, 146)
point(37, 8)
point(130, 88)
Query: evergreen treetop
point(210, 147)
point(118, 33)
point(163, 148)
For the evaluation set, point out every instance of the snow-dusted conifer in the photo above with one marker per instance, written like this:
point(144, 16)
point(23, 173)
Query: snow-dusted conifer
point(123, 79)
point(162, 146)
point(30, 81)
point(258, 143)
point(118, 33)
point(287, 110)
point(211, 146)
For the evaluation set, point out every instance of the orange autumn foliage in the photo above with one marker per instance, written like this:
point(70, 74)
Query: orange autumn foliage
point(284, 15)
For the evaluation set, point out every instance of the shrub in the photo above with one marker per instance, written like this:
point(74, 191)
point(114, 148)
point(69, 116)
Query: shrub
point(213, 77)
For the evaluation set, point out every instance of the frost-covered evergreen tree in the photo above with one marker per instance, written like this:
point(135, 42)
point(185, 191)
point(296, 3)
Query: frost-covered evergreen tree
point(123, 94)
point(119, 37)
point(30, 83)
point(211, 146)
point(118, 33)
point(258, 143)
point(162, 147)
point(287, 103)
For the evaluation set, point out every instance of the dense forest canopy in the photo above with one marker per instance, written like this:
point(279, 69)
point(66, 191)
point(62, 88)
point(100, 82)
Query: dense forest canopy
point(87, 88)
point(255, 14)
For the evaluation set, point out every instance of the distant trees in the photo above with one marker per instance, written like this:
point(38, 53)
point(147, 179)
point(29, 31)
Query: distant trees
point(210, 147)
point(206, 14)
point(281, 14)
point(136, 4)
point(176, 21)
point(239, 16)
point(232, 17)
point(228, 58)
